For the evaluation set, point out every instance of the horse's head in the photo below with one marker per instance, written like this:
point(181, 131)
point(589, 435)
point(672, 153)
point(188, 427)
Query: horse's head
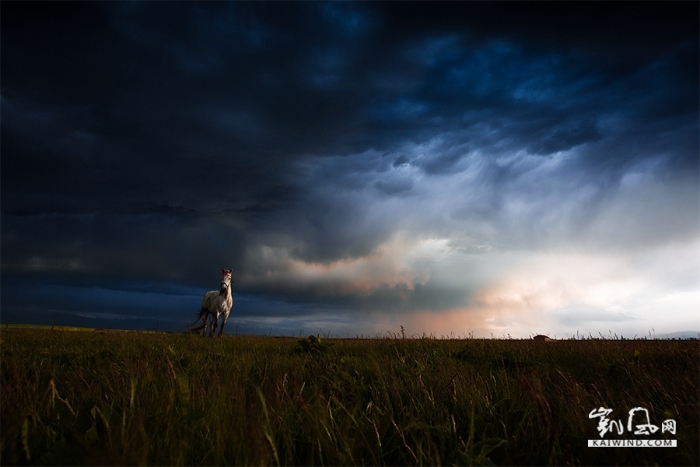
point(226, 279)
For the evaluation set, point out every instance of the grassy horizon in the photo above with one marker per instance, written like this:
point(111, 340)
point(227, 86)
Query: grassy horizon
point(176, 399)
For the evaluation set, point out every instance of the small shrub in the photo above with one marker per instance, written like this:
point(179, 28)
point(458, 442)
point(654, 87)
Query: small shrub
point(314, 345)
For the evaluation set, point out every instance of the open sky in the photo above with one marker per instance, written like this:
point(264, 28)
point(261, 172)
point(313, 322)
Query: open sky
point(453, 168)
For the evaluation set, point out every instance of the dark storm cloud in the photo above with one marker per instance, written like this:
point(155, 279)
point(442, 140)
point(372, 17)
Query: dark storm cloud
point(161, 141)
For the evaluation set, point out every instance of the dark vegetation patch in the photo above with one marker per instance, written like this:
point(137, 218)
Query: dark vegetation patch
point(313, 345)
point(104, 398)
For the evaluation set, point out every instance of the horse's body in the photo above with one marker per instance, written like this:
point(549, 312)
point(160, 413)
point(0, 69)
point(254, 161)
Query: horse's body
point(216, 303)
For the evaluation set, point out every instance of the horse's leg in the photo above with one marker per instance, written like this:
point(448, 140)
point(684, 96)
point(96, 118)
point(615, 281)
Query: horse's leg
point(209, 315)
point(205, 322)
point(214, 323)
point(224, 317)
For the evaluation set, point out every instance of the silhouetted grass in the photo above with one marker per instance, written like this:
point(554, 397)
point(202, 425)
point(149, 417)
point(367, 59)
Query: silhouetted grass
point(90, 398)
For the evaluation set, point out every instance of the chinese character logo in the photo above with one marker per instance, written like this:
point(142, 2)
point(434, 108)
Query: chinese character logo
point(668, 425)
point(643, 428)
point(605, 425)
point(638, 418)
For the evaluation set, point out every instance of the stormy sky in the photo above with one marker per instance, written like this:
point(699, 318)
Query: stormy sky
point(453, 168)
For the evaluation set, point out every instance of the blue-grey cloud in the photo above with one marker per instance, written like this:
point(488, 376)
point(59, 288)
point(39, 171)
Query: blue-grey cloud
point(324, 150)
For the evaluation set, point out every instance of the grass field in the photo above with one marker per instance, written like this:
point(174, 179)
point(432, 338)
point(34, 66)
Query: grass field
point(73, 398)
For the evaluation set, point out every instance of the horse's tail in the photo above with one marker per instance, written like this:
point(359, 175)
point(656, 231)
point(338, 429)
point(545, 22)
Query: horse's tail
point(200, 314)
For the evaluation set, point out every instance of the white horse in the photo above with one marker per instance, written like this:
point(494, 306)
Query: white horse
point(216, 303)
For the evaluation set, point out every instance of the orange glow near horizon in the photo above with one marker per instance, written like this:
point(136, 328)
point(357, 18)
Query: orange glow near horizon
point(522, 297)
